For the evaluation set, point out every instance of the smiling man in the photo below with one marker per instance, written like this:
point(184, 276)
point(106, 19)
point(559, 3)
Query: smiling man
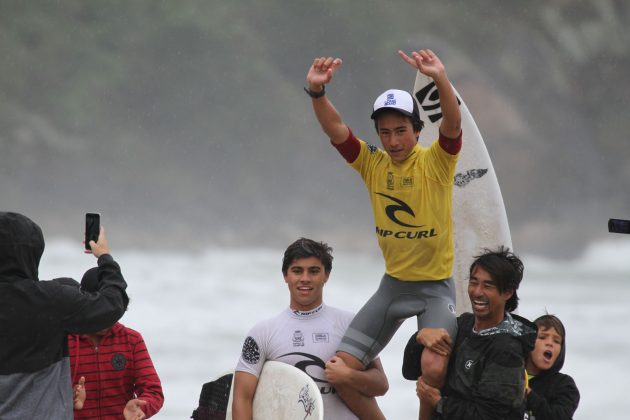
point(486, 373)
point(306, 335)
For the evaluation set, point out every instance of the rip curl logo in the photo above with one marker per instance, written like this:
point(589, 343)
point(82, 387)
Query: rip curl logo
point(400, 206)
point(429, 99)
point(307, 401)
point(251, 351)
point(119, 362)
point(451, 308)
point(464, 178)
point(309, 360)
point(469, 364)
point(390, 100)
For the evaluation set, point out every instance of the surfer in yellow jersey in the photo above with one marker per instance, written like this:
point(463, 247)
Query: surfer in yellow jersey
point(410, 189)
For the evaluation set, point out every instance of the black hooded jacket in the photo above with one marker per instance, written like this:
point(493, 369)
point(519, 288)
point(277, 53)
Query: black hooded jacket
point(486, 372)
point(553, 395)
point(36, 316)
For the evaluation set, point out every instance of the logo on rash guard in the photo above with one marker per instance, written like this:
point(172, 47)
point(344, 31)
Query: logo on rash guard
point(310, 360)
point(298, 338)
point(400, 205)
point(306, 366)
point(251, 351)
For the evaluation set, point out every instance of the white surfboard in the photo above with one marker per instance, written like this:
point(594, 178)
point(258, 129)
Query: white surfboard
point(479, 218)
point(283, 393)
point(286, 393)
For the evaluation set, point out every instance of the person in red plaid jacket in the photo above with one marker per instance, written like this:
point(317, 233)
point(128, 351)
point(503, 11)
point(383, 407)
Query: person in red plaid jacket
point(120, 379)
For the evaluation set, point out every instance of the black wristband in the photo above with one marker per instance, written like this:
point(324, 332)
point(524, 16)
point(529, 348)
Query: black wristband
point(315, 95)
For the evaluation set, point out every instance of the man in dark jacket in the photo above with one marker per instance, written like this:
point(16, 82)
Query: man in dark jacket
point(36, 316)
point(486, 373)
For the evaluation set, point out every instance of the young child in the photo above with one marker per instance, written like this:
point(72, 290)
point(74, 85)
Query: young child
point(113, 372)
point(551, 395)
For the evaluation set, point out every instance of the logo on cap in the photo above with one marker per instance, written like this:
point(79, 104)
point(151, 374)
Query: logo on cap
point(391, 100)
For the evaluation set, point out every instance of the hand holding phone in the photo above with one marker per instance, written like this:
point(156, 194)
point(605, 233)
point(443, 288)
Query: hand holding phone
point(92, 228)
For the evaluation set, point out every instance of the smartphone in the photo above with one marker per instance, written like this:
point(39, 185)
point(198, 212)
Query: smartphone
point(92, 228)
point(618, 226)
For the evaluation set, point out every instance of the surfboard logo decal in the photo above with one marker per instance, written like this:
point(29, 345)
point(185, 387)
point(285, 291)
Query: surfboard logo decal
point(391, 210)
point(251, 351)
point(307, 401)
point(429, 100)
point(463, 179)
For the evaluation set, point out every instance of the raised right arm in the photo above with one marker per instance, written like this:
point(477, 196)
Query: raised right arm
point(320, 74)
point(243, 395)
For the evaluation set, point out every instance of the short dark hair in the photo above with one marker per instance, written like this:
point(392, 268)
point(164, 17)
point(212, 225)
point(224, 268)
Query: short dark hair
point(505, 269)
point(305, 248)
point(548, 321)
point(416, 122)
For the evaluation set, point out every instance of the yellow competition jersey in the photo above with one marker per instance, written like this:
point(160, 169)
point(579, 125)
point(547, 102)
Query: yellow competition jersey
point(412, 204)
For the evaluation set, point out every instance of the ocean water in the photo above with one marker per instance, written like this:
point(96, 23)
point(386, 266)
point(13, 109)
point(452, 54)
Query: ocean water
point(194, 310)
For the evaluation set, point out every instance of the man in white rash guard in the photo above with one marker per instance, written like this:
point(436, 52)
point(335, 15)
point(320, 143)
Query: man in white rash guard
point(306, 335)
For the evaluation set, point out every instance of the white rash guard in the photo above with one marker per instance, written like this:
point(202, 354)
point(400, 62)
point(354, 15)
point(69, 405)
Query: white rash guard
point(306, 340)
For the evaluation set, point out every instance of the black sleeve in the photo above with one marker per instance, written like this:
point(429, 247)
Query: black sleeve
point(498, 393)
point(411, 368)
point(562, 402)
point(82, 312)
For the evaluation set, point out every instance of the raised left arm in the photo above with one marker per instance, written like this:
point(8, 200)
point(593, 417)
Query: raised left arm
point(429, 64)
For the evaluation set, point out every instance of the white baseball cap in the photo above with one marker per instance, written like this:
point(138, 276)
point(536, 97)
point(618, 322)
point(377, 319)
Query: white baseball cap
point(395, 99)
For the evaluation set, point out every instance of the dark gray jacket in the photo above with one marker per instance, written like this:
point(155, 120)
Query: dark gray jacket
point(36, 316)
point(486, 373)
point(554, 395)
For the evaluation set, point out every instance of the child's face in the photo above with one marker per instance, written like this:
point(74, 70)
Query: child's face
point(546, 350)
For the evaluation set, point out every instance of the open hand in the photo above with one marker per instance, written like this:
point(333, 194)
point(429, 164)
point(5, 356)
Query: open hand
point(425, 61)
point(133, 411)
point(321, 72)
point(78, 394)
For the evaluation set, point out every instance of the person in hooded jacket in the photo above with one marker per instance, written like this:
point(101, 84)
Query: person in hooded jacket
point(486, 373)
point(118, 375)
point(551, 395)
point(36, 316)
